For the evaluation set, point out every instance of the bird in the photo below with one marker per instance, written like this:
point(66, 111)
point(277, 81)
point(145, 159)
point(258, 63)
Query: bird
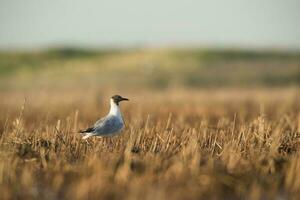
point(111, 124)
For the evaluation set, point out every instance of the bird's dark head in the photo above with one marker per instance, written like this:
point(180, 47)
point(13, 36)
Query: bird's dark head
point(118, 98)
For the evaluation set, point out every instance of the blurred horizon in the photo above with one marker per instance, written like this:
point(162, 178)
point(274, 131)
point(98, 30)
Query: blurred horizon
point(147, 69)
point(34, 24)
point(149, 45)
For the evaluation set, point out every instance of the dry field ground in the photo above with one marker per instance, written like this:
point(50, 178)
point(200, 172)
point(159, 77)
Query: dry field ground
point(183, 139)
point(195, 144)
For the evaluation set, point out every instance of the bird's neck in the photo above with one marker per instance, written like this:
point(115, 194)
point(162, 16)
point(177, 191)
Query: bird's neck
point(114, 109)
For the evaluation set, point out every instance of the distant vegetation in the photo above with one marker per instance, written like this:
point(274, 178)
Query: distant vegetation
point(11, 62)
point(156, 68)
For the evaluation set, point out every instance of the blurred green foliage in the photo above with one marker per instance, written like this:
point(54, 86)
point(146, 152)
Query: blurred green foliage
point(154, 68)
point(12, 62)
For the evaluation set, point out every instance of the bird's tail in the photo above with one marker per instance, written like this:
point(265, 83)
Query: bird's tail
point(86, 135)
point(88, 130)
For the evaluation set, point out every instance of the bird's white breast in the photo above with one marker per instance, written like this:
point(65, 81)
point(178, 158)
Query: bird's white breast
point(115, 111)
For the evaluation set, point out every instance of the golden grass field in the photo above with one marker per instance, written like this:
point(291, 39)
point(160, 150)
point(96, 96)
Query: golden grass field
point(180, 142)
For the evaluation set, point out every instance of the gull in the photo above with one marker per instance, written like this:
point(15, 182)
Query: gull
point(111, 124)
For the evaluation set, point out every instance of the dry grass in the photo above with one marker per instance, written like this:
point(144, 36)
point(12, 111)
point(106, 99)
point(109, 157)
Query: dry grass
point(224, 144)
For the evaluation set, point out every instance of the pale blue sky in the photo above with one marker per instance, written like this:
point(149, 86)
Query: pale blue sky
point(98, 23)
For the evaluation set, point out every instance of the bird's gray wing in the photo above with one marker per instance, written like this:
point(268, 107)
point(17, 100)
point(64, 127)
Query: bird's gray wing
point(100, 122)
point(109, 125)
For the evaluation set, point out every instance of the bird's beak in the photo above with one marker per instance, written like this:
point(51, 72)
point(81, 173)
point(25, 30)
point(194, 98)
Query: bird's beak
point(124, 99)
